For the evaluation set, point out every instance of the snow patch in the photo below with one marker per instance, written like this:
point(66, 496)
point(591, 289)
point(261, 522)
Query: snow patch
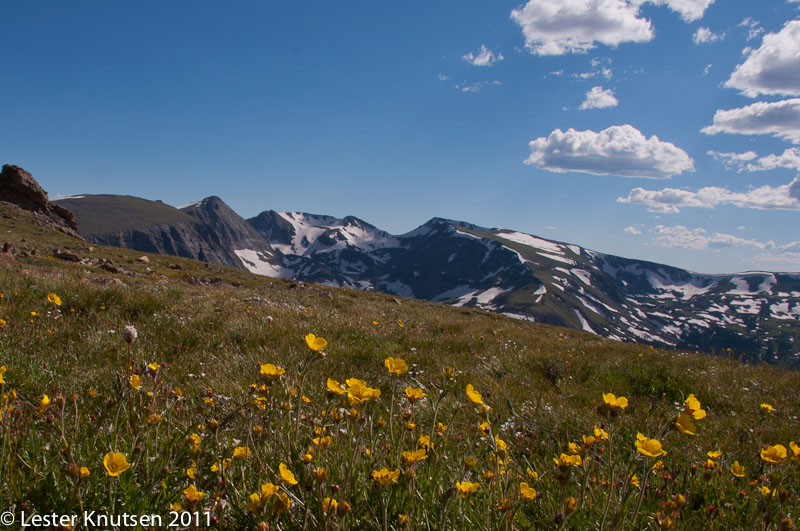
point(584, 323)
point(258, 262)
point(532, 241)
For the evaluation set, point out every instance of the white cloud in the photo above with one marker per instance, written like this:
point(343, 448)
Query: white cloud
point(773, 68)
point(680, 236)
point(671, 200)
point(556, 27)
point(789, 159)
point(704, 35)
point(689, 10)
point(485, 57)
point(620, 150)
point(477, 86)
point(780, 119)
point(443, 77)
point(597, 98)
point(707, 69)
point(754, 30)
point(632, 230)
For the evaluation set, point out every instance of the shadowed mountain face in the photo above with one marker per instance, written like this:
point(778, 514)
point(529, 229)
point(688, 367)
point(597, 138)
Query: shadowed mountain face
point(754, 315)
point(207, 230)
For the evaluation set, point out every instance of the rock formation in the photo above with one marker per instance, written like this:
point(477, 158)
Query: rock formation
point(18, 187)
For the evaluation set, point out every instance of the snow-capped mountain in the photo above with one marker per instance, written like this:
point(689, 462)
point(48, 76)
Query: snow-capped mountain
point(753, 315)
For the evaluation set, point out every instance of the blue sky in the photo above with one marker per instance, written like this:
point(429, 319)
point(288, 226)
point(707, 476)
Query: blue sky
point(666, 130)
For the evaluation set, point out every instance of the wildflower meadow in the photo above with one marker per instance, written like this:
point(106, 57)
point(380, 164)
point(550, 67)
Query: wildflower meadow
point(253, 403)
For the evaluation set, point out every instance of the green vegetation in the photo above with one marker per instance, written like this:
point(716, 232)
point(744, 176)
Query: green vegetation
point(221, 405)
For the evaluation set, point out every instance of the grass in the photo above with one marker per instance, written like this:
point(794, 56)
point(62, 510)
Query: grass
point(211, 329)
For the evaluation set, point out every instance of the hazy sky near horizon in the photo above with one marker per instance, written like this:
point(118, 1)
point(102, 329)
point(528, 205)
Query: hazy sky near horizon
point(665, 130)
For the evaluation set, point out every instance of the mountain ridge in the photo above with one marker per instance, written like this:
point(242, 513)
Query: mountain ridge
point(755, 314)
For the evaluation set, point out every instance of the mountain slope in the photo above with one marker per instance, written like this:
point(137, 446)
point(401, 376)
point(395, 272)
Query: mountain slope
point(754, 315)
point(207, 230)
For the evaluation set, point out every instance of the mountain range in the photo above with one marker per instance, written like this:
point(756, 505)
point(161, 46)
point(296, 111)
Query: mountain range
point(754, 316)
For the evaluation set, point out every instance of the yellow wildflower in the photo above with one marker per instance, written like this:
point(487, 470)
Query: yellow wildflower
point(2, 372)
point(795, 451)
point(192, 494)
point(570, 504)
point(466, 488)
point(612, 404)
point(287, 474)
point(315, 343)
point(385, 477)
point(194, 443)
point(526, 493)
point(358, 392)
point(241, 452)
point(396, 366)
point(766, 408)
point(414, 393)
point(271, 371)
point(3, 323)
point(774, 455)
point(154, 367)
point(115, 463)
point(335, 387)
point(737, 469)
point(693, 408)
point(649, 447)
point(424, 441)
point(714, 455)
point(411, 458)
point(135, 381)
point(684, 424)
point(473, 395)
point(329, 505)
point(55, 299)
point(565, 460)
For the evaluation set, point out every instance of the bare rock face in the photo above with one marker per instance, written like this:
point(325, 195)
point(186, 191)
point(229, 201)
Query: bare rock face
point(20, 188)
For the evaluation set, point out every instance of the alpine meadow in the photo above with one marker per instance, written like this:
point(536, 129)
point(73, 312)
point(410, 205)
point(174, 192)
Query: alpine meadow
point(451, 265)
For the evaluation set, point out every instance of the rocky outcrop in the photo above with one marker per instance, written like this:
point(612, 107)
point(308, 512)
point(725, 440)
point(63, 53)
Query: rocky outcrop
point(18, 187)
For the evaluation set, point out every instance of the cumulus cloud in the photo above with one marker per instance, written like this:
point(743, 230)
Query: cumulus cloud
point(680, 236)
point(749, 161)
point(597, 98)
point(485, 57)
point(689, 10)
point(632, 230)
point(557, 27)
point(620, 150)
point(780, 119)
point(671, 200)
point(704, 35)
point(773, 68)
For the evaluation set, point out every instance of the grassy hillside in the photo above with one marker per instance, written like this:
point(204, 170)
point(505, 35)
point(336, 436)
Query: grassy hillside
point(194, 408)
